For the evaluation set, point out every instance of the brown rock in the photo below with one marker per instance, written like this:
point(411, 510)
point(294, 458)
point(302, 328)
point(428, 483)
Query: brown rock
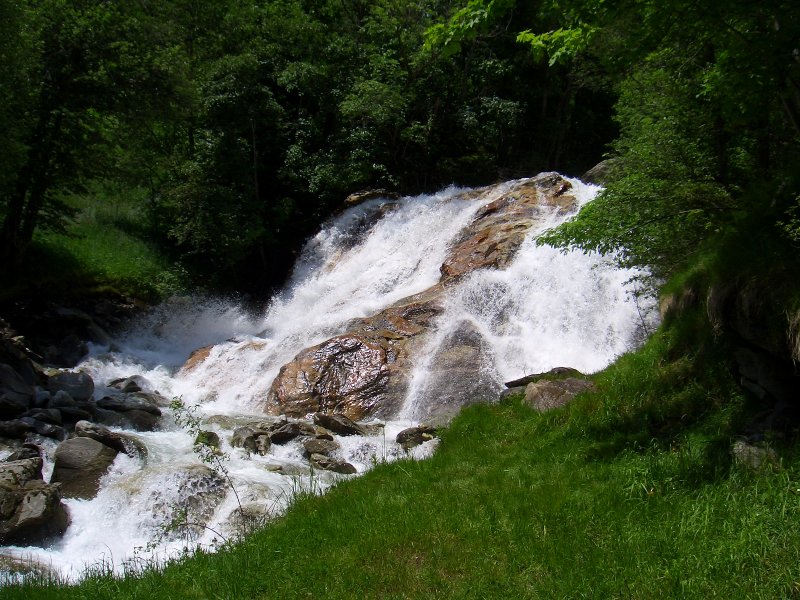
point(500, 227)
point(364, 372)
point(196, 358)
point(339, 424)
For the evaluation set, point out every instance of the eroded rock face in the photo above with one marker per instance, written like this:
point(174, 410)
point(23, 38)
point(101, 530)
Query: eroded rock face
point(364, 372)
point(31, 511)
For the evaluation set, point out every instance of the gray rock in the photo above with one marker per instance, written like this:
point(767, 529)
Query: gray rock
point(73, 414)
point(207, 438)
point(80, 462)
point(320, 446)
point(414, 436)
point(14, 429)
point(16, 395)
point(62, 399)
point(78, 385)
point(288, 431)
point(45, 429)
point(755, 458)
point(31, 512)
point(118, 441)
point(556, 373)
point(126, 403)
point(25, 452)
point(326, 463)
point(140, 420)
point(601, 172)
point(134, 383)
point(47, 415)
point(338, 424)
point(546, 394)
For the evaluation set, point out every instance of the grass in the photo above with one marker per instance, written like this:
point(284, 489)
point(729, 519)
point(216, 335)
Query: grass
point(629, 492)
point(106, 245)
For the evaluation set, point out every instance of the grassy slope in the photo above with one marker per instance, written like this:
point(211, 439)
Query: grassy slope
point(106, 245)
point(628, 493)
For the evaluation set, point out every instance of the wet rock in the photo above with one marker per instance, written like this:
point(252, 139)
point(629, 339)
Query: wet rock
point(339, 424)
point(62, 399)
point(80, 462)
point(117, 441)
point(25, 452)
point(318, 446)
point(255, 441)
point(140, 420)
point(289, 431)
point(365, 371)
point(458, 374)
point(326, 463)
point(500, 227)
point(127, 403)
point(16, 395)
point(196, 358)
point(199, 490)
point(414, 436)
point(134, 383)
point(73, 414)
point(45, 429)
point(365, 195)
point(14, 429)
point(207, 438)
point(80, 386)
point(47, 415)
point(153, 398)
point(549, 394)
point(31, 511)
point(556, 373)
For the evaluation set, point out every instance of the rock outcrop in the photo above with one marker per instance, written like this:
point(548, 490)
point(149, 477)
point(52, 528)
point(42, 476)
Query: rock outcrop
point(364, 371)
point(31, 511)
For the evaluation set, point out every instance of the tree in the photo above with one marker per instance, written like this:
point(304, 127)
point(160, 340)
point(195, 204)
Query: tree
point(83, 69)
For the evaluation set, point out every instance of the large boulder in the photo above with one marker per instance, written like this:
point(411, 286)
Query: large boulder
point(16, 394)
point(120, 442)
point(31, 511)
point(80, 462)
point(365, 371)
point(547, 394)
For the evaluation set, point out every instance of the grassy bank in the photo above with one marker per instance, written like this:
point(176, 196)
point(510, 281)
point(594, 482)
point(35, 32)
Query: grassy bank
point(105, 245)
point(630, 492)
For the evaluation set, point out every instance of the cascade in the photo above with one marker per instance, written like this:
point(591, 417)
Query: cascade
point(448, 290)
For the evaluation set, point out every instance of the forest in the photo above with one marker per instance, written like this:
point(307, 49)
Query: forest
point(238, 126)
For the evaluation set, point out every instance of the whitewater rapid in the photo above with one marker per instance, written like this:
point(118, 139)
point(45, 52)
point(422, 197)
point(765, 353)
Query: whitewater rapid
point(548, 308)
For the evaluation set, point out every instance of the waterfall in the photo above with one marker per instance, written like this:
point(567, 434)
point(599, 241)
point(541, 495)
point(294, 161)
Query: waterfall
point(543, 309)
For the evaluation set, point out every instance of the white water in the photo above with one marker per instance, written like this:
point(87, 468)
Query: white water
point(546, 309)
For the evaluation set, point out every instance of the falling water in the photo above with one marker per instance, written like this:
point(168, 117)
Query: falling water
point(546, 309)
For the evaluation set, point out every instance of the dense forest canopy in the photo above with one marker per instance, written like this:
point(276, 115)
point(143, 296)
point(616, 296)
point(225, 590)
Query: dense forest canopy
point(248, 121)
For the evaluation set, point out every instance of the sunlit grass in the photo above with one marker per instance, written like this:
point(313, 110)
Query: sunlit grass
point(630, 492)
